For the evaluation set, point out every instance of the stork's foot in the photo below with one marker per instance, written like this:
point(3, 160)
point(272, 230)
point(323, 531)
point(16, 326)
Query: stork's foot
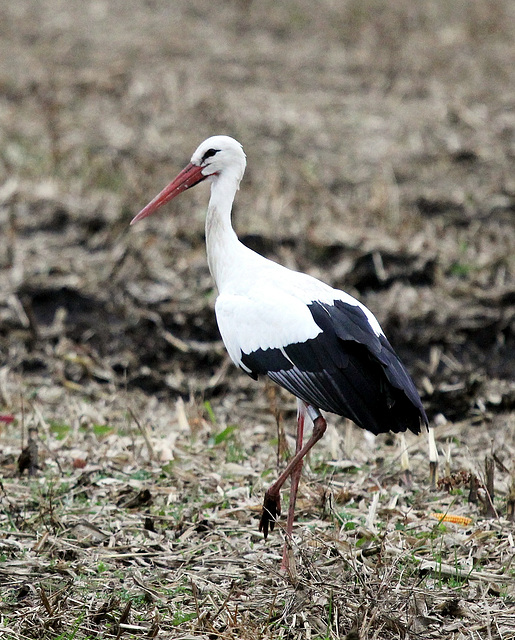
point(271, 511)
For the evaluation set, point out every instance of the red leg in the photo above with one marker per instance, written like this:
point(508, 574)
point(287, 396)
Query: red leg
point(295, 479)
point(272, 501)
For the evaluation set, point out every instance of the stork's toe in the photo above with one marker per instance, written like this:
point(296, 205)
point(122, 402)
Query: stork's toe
point(271, 511)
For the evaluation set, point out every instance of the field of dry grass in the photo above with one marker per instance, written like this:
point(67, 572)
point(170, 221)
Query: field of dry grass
point(381, 155)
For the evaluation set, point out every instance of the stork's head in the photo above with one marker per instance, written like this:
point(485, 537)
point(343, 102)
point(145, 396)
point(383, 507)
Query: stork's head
point(218, 157)
point(220, 154)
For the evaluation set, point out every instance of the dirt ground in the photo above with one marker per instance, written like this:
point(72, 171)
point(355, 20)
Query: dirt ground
point(380, 140)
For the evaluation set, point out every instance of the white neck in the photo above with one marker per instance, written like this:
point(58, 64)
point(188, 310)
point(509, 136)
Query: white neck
point(222, 244)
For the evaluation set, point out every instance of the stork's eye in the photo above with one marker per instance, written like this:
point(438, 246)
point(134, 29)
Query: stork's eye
point(209, 153)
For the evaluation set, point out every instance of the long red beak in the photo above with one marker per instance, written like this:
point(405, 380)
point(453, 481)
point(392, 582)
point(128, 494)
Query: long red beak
point(188, 177)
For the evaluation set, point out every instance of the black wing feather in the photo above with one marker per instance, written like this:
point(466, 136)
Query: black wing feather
point(347, 369)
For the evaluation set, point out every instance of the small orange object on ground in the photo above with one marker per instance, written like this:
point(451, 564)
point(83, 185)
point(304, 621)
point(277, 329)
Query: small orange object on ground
point(448, 517)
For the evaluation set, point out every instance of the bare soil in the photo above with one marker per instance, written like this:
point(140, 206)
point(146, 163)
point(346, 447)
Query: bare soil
point(381, 144)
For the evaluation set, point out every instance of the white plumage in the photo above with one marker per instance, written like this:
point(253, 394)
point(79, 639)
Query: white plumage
point(320, 343)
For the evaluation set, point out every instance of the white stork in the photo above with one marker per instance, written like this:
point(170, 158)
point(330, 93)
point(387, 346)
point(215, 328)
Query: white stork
point(320, 343)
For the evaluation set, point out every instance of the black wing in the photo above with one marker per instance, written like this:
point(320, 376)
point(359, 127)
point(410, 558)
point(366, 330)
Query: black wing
point(347, 369)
